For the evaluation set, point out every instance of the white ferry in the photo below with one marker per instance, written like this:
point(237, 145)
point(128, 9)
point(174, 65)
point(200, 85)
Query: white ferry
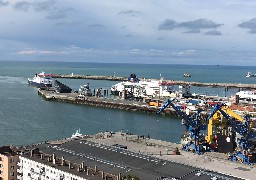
point(41, 80)
point(247, 95)
point(144, 88)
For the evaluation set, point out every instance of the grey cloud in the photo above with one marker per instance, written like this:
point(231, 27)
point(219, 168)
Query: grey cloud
point(250, 24)
point(3, 3)
point(129, 13)
point(68, 23)
point(193, 31)
point(253, 31)
point(213, 32)
point(129, 35)
point(22, 6)
point(71, 23)
point(195, 26)
point(56, 16)
point(59, 14)
point(42, 6)
point(200, 24)
point(168, 24)
point(99, 26)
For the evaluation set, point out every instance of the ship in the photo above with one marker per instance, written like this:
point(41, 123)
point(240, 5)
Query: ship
point(138, 89)
point(249, 74)
point(41, 80)
point(247, 95)
point(186, 75)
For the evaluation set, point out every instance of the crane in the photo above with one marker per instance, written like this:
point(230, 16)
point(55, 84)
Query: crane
point(193, 140)
point(244, 150)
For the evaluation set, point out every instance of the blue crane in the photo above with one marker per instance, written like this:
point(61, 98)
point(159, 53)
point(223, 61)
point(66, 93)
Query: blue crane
point(194, 140)
point(245, 148)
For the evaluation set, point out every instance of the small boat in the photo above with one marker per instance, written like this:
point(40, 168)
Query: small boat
point(186, 75)
point(249, 74)
point(77, 134)
point(41, 80)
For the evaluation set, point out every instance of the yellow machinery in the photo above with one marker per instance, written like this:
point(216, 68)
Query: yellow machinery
point(218, 124)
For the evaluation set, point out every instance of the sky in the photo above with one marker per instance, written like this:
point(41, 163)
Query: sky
point(205, 32)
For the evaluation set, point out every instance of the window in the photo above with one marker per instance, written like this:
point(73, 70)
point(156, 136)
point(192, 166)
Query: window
point(1, 166)
point(11, 160)
point(12, 167)
point(1, 159)
point(12, 173)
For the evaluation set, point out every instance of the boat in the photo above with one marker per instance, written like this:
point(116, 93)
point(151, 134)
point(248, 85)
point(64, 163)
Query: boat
point(186, 75)
point(77, 134)
point(41, 80)
point(61, 88)
point(247, 95)
point(137, 89)
point(249, 74)
point(85, 90)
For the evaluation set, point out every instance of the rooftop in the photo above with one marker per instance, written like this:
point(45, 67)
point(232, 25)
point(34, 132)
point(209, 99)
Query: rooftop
point(115, 159)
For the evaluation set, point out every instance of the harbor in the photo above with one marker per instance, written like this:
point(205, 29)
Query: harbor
point(205, 164)
point(133, 95)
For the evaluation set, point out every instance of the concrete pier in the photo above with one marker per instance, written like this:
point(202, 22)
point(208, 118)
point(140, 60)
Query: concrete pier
point(198, 84)
point(103, 102)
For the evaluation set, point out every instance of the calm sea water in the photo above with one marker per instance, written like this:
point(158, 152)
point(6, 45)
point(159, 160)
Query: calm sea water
point(27, 118)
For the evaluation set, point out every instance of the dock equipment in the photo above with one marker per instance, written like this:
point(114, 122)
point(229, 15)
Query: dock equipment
point(239, 129)
point(192, 139)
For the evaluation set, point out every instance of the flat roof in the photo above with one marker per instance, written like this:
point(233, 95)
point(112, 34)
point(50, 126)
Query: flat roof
point(115, 160)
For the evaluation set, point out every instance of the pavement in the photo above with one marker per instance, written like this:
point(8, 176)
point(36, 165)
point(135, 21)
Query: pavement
point(212, 161)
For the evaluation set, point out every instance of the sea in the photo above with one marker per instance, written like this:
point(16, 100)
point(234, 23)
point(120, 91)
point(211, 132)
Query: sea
point(26, 118)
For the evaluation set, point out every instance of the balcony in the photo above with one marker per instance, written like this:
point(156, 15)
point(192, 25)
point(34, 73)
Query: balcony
point(19, 164)
point(19, 177)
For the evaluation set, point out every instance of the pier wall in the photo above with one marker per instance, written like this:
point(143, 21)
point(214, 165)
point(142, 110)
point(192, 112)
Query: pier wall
point(105, 103)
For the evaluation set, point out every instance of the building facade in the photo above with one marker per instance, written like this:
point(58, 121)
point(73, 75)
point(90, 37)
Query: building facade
point(8, 164)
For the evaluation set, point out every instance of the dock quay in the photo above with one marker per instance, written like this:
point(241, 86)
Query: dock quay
point(212, 161)
point(103, 102)
point(197, 84)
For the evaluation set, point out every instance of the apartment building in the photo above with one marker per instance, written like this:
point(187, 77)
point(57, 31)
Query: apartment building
point(8, 163)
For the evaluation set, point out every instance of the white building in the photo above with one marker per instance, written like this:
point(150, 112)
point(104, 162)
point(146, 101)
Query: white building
point(31, 169)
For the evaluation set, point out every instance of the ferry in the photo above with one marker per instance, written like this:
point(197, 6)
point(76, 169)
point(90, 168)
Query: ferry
point(41, 80)
point(135, 88)
point(247, 95)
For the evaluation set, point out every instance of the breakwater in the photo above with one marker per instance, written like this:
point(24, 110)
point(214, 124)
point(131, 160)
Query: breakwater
point(198, 84)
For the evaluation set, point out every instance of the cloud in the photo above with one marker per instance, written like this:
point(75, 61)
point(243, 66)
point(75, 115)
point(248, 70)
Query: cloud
point(253, 31)
point(130, 13)
point(129, 35)
point(250, 24)
point(195, 26)
point(168, 24)
point(68, 23)
point(99, 26)
point(43, 6)
point(199, 24)
point(59, 14)
point(3, 3)
point(193, 31)
point(37, 52)
point(22, 6)
point(213, 32)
